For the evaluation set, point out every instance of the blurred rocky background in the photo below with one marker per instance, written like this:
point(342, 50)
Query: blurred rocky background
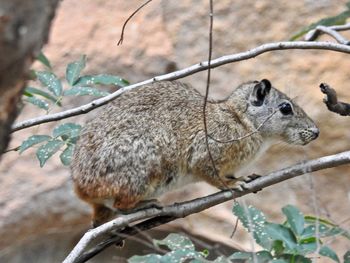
point(41, 219)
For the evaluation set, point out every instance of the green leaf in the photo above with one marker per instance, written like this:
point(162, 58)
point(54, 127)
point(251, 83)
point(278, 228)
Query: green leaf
point(49, 80)
point(66, 155)
point(254, 221)
point(294, 218)
point(346, 257)
point(73, 70)
point(47, 150)
point(104, 79)
point(329, 21)
point(306, 246)
point(43, 59)
point(279, 261)
point(287, 258)
point(220, 259)
point(175, 242)
point(280, 232)
point(328, 252)
point(42, 93)
point(241, 255)
point(181, 255)
point(151, 258)
point(33, 140)
point(67, 130)
point(313, 219)
point(325, 229)
point(261, 256)
point(82, 91)
point(42, 104)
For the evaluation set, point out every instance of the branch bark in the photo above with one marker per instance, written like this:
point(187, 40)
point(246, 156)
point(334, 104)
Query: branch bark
point(156, 216)
point(183, 73)
point(24, 28)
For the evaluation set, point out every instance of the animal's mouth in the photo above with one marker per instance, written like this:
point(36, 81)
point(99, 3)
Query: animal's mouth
point(308, 135)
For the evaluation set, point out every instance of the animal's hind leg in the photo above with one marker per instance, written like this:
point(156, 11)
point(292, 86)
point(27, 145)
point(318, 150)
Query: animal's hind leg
point(101, 214)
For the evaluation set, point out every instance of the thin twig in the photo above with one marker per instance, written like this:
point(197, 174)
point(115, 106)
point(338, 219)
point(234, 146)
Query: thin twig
point(246, 135)
point(12, 149)
point(181, 74)
point(127, 20)
point(178, 210)
point(234, 228)
point(210, 51)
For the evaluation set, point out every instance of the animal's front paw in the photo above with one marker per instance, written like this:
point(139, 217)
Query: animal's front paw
point(249, 178)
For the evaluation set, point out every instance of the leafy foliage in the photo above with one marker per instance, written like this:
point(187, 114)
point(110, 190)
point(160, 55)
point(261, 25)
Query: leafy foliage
point(63, 135)
point(52, 92)
point(181, 249)
point(339, 19)
point(291, 241)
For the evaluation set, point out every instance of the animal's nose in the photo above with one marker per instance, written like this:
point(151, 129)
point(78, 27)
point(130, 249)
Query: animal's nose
point(315, 132)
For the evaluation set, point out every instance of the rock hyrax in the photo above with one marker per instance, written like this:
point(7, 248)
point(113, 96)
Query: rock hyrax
point(151, 140)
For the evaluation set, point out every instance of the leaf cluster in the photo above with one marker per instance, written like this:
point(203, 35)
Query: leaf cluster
point(293, 241)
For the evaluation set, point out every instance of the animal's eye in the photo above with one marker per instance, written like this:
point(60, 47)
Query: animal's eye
point(286, 108)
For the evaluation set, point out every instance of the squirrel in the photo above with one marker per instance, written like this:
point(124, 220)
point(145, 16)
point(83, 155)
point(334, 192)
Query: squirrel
point(151, 140)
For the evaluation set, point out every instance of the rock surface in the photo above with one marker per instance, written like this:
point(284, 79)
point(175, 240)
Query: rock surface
point(40, 216)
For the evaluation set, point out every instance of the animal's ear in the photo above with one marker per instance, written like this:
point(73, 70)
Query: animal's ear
point(260, 91)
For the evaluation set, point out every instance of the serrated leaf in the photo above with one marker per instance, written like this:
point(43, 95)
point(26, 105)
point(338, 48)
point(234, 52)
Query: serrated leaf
point(33, 140)
point(42, 104)
point(70, 130)
point(44, 60)
point(175, 241)
point(294, 218)
point(82, 91)
point(254, 221)
point(66, 155)
point(74, 69)
point(346, 257)
point(104, 79)
point(42, 93)
point(49, 80)
point(280, 232)
point(151, 258)
point(47, 150)
point(328, 252)
point(329, 21)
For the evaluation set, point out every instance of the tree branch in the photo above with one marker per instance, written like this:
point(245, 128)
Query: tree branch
point(184, 73)
point(330, 30)
point(157, 216)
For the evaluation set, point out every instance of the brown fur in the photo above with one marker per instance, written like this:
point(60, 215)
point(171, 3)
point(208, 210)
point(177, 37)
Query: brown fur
point(151, 140)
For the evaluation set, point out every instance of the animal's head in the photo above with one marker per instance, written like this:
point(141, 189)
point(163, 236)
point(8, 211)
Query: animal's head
point(275, 115)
